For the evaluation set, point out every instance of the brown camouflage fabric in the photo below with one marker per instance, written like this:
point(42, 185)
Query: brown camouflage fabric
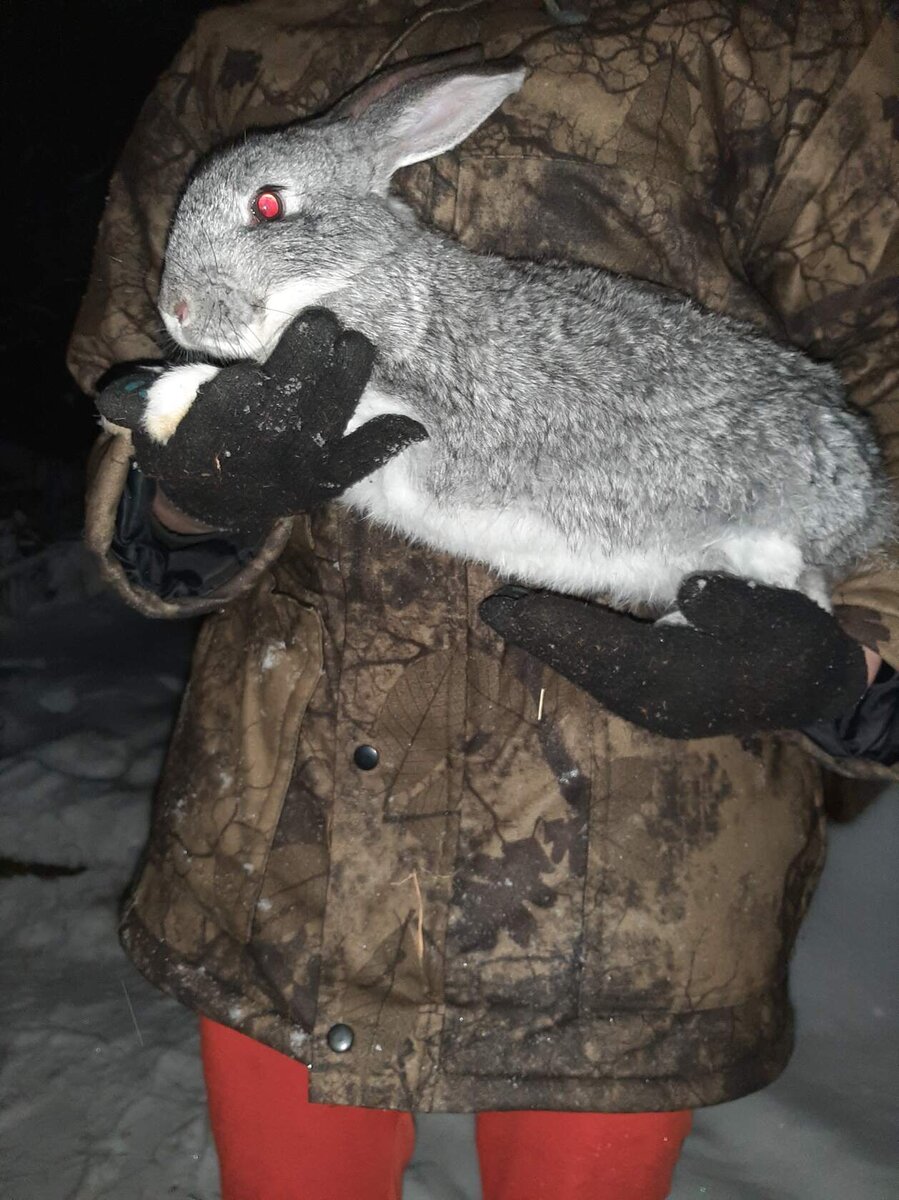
point(528, 902)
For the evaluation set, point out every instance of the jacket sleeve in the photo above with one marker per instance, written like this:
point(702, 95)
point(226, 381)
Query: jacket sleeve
point(118, 322)
point(820, 241)
point(824, 251)
point(157, 573)
point(867, 732)
point(244, 66)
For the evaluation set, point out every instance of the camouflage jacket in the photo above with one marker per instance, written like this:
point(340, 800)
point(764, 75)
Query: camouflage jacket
point(526, 902)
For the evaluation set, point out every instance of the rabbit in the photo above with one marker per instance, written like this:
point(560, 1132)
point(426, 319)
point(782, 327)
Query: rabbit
point(588, 433)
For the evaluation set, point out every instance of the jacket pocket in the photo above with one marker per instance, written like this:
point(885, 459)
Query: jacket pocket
point(704, 857)
point(256, 666)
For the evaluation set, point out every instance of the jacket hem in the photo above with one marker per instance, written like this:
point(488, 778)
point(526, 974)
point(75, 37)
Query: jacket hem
point(245, 1007)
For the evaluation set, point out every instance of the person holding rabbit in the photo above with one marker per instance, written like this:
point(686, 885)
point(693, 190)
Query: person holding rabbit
point(425, 842)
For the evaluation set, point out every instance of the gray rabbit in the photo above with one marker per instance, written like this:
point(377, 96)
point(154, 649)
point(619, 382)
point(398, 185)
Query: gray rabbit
point(588, 433)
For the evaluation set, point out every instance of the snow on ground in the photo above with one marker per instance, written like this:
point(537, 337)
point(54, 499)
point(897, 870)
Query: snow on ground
point(101, 1096)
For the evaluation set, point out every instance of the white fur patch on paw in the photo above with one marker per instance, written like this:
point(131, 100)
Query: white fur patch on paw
point(676, 617)
point(170, 397)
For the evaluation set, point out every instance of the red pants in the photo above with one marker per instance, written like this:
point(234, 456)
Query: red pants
point(274, 1145)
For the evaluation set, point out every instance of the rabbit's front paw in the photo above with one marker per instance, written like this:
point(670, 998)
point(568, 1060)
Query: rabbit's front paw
point(170, 398)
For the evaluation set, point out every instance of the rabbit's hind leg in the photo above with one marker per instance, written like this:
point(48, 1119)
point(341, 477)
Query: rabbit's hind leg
point(813, 583)
point(674, 617)
point(776, 560)
point(765, 557)
point(768, 558)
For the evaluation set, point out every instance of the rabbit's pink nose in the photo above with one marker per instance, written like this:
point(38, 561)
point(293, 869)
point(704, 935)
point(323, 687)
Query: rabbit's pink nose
point(181, 310)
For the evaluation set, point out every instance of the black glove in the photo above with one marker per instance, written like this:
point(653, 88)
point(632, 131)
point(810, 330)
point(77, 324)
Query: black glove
point(263, 442)
point(752, 657)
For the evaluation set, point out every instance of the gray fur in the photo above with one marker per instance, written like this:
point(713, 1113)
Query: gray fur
point(626, 418)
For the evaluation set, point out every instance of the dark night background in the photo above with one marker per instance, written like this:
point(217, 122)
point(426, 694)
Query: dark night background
point(75, 76)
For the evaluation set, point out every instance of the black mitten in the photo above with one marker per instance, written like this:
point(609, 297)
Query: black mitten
point(751, 658)
point(266, 441)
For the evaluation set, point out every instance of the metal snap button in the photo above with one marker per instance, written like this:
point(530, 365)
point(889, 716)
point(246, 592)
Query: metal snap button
point(366, 758)
point(340, 1038)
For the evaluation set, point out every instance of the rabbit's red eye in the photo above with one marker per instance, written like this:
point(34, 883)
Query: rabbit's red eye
point(268, 206)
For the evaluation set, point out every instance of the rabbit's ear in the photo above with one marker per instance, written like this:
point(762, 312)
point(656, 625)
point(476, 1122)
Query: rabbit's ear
point(422, 119)
point(361, 98)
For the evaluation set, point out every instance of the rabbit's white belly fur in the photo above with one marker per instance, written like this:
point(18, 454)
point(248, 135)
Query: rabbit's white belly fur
point(520, 544)
point(517, 545)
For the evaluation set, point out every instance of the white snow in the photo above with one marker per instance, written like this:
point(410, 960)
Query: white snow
point(87, 755)
point(60, 699)
point(101, 1095)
